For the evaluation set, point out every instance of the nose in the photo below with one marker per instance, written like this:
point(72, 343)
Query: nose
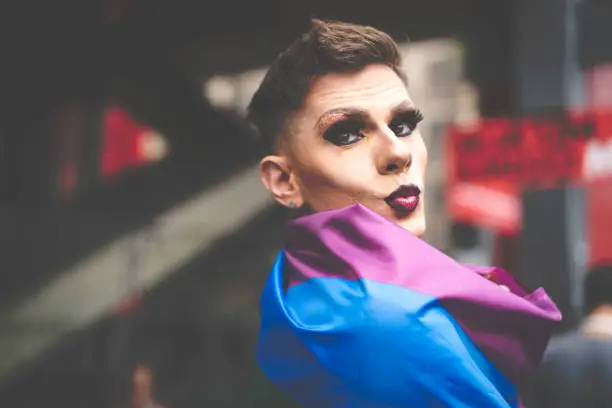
point(395, 155)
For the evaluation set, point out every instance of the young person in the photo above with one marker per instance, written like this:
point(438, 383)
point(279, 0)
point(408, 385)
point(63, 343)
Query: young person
point(358, 311)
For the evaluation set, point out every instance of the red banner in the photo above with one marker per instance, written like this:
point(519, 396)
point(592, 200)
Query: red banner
point(489, 163)
point(534, 151)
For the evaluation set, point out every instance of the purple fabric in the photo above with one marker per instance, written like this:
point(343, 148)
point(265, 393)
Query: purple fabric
point(511, 328)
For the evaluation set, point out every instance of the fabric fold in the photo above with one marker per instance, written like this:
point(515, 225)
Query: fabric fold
point(358, 312)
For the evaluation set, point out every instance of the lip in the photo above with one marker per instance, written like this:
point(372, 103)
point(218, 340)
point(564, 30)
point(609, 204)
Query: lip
point(405, 199)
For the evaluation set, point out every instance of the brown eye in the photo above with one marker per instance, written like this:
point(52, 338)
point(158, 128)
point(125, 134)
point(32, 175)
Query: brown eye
point(344, 133)
point(402, 129)
point(404, 124)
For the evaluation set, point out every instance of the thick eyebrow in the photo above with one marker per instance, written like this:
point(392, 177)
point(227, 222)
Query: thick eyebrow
point(359, 114)
point(344, 113)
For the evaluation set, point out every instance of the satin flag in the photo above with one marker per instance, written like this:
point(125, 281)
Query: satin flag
point(359, 313)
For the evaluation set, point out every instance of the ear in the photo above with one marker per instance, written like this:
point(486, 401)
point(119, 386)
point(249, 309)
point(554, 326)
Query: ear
point(276, 175)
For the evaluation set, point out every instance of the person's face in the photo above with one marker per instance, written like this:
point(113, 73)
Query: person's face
point(354, 141)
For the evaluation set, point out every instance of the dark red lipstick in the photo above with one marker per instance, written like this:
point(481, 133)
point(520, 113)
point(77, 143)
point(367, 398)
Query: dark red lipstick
point(405, 199)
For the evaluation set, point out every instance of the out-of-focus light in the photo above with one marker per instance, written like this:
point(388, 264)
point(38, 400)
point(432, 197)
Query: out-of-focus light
point(233, 92)
point(220, 91)
point(598, 160)
point(152, 146)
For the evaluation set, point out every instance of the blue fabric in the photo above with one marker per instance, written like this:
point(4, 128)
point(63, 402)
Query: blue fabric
point(330, 342)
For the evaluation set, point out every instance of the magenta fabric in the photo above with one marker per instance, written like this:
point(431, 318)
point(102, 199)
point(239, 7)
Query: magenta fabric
point(511, 329)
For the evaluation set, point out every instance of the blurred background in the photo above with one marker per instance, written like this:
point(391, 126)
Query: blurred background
point(134, 234)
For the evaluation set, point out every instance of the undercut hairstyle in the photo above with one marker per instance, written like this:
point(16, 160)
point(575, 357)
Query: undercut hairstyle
point(327, 47)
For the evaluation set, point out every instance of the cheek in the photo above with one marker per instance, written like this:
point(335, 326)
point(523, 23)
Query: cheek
point(420, 155)
point(331, 174)
point(330, 178)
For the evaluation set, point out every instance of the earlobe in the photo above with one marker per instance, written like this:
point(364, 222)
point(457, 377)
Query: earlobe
point(277, 176)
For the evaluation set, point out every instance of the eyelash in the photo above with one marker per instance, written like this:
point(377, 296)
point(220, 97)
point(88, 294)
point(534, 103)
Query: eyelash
point(354, 128)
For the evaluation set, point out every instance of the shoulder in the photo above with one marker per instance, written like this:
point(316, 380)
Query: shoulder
point(575, 348)
point(563, 346)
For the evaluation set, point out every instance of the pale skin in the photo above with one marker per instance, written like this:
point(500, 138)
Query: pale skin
point(322, 167)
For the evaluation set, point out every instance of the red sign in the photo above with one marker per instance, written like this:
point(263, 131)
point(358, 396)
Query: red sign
point(489, 163)
point(599, 192)
point(599, 208)
point(127, 143)
point(489, 204)
point(535, 151)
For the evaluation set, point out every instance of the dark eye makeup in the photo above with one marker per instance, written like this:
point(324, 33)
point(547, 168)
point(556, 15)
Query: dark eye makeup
point(351, 130)
point(345, 132)
point(406, 122)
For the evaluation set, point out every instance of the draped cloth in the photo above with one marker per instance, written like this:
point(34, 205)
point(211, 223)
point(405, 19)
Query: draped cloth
point(360, 313)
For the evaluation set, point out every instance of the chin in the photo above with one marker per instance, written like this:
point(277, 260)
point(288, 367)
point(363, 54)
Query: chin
point(416, 225)
point(415, 222)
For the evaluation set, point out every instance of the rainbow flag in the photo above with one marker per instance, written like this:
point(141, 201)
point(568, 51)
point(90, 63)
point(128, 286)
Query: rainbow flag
point(359, 313)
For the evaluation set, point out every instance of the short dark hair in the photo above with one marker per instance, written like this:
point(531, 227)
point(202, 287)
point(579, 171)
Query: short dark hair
point(327, 47)
point(598, 287)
